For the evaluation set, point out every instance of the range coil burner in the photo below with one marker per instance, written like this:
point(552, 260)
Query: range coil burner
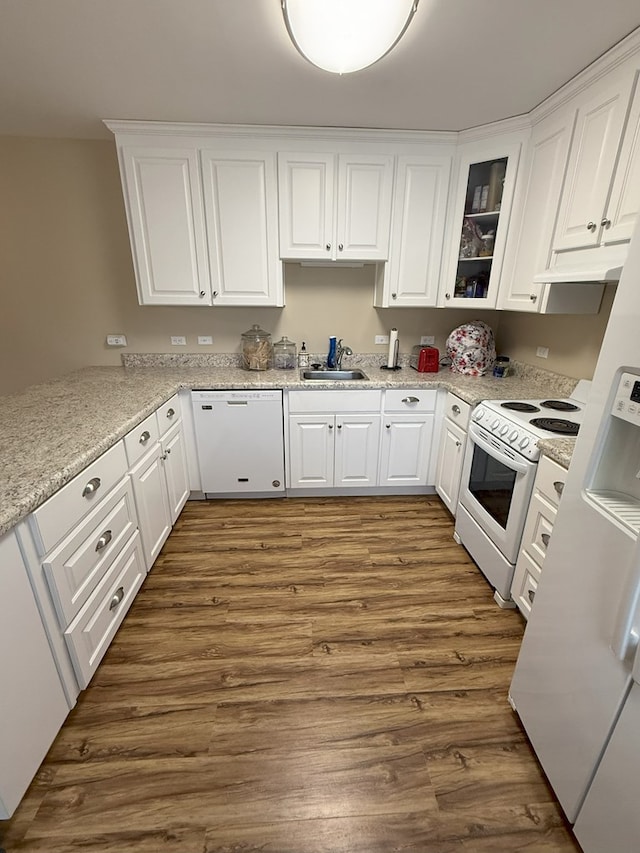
point(518, 406)
point(557, 425)
point(560, 405)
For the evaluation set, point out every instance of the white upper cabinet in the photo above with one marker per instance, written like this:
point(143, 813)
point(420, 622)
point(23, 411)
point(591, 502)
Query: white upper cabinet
point(334, 206)
point(479, 220)
point(410, 278)
point(583, 216)
point(624, 204)
point(241, 208)
point(166, 225)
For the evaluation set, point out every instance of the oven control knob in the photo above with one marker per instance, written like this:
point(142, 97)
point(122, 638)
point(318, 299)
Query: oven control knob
point(495, 424)
point(478, 414)
point(513, 435)
point(504, 429)
point(524, 442)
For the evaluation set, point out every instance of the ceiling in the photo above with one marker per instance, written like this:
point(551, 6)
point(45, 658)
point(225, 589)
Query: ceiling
point(67, 64)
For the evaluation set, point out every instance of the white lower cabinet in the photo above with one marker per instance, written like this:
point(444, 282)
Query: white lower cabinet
point(33, 705)
point(175, 469)
point(538, 529)
point(451, 453)
point(407, 436)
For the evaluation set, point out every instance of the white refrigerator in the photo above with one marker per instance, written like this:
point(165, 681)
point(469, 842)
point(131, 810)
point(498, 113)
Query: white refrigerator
point(576, 683)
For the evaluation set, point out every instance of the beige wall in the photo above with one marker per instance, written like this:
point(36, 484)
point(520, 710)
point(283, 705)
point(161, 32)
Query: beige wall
point(67, 281)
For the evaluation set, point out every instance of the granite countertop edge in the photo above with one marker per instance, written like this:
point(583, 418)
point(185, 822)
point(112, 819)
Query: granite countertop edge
point(50, 432)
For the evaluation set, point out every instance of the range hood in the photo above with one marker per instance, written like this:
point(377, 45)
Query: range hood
point(580, 275)
point(592, 265)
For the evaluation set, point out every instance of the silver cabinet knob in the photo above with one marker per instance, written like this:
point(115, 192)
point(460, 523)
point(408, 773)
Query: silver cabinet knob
point(545, 538)
point(328, 247)
point(104, 540)
point(533, 297)
point(202, 293)
point(339, 426)
point(455, 409)
point(558, 486)
point(411, 399)
point(144, 438)
point(531, 593)
point(92, 486)
point(458, 443)
point(340, 247)
point(447, 296)
point(605, 223)
point(394, 295)
point(214, 294)
point(591, 226)
point(388, 426)
point(170, 413)
point(117, 598)
point(330, 426)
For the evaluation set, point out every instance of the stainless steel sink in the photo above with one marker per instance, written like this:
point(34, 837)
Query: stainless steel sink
point(333, 375)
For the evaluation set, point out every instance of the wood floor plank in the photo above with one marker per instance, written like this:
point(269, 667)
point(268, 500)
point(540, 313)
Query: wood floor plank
point(300, 676)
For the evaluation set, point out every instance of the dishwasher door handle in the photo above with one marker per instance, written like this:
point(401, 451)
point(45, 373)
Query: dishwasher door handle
point(237, 402)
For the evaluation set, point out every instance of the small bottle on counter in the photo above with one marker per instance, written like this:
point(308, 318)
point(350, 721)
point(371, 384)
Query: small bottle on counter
point(333, 352)
point(501, 367)
point(303, 356)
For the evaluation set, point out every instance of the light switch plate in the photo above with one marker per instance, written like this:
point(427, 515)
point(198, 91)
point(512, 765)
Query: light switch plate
point(427, 341)
point(205, 340)
point(178, 341)
point(116, 341)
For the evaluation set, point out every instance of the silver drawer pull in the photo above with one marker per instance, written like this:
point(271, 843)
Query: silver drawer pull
point(170, 413)
point(411, 399)
point(545, 538)
point(558, 486)
point(144, 438)
point(104, 540)
point(455, 409)
point(531, 594)
point(92, 486)
point(117, 598)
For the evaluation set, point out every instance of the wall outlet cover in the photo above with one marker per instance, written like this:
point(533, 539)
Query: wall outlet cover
point(427, 341)
point(205, 340)
point(542, 352)
point(381, 339)
point(178, 341)
point(116, 341)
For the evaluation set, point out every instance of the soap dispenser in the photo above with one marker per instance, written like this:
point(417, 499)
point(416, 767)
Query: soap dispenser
point(303, 356)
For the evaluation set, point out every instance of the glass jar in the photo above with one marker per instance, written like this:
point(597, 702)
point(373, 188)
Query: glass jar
point(284, 354)
point(257, 350)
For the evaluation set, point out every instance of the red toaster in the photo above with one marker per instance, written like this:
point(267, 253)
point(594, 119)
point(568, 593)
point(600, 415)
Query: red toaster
point(425, 359)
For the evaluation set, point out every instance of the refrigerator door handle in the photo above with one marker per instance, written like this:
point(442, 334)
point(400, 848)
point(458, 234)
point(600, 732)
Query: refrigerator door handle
point(625, 634)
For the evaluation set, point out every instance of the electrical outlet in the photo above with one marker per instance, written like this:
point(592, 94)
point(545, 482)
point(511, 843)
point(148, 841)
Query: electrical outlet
point(205, 340)
point(542, 352)
point(381, 339)
point(116, 341)
point(427, 341)
point(178, 341)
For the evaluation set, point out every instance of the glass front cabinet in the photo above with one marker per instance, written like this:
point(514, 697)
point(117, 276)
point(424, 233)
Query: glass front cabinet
point(479, 221)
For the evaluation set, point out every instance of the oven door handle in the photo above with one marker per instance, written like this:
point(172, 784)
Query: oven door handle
point(476, 437)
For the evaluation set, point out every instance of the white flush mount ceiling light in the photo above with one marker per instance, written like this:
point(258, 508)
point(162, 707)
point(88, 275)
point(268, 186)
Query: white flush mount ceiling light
point(342, 36)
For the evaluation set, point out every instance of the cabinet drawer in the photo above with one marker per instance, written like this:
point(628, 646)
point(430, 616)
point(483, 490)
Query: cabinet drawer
point(538, 528)
point(550, 480)
point(94, 627)
point(58, 515)
point(76, 566)
point(335, 401)
point(410, 400)
point(168, 414)
point(457, 411)
point(141, 439)
point(527, 575)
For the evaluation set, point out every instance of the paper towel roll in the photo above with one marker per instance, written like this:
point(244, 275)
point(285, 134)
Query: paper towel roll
point(394, 343)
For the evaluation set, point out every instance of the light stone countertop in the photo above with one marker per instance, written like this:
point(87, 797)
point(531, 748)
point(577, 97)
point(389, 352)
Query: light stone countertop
point(50, 432)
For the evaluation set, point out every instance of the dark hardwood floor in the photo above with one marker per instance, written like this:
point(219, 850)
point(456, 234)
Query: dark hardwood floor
point(300, 676)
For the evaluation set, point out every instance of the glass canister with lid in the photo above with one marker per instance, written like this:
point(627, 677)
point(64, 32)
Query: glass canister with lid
point(257, 349)
point(285, 354)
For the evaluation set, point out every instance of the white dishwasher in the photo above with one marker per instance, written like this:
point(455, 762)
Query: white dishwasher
point(240, 440)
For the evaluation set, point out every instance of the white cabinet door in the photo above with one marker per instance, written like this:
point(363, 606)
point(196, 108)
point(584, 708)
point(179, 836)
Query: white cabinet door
point(592, 160)
point(306, 193)
point(241, 206)
point(411, 276)
point(175, 470)
point(311, 450)
point(450, 458)
point(624, 205)
point(535, 211)
point(471, 278)
point(152, 504)
point(166, 224)
point(32, 702)
point(364, 207)
point(405, 449)
point(334, 207)
point(357, 441)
